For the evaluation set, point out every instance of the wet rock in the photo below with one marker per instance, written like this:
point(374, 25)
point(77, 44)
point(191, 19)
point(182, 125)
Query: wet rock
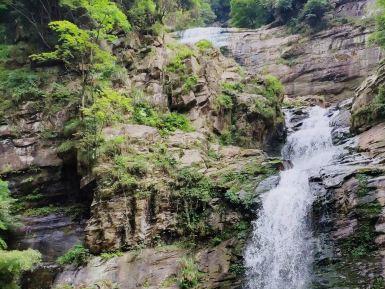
point(52, 235)
point(267, 184)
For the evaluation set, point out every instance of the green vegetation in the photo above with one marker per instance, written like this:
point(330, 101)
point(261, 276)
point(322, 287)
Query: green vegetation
point(166, 123)
point(363, 189)
point(12, 263)
point(373, 112)
point(272, 91)
point(249, 13)
point(189, 276)
point(379, 34)
point(361, 243)
point(295, 13)
point(224, 101)
point(77, 256)
point(5, 208)
point(192, 193)
point(204, 45)
point(109, 255)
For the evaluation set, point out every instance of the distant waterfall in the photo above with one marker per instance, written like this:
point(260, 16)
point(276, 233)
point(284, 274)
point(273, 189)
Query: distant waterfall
point(217, 35)
point(280, 254)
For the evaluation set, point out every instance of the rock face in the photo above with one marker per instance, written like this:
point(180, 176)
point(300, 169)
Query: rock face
point(368, 104)
point(331, 63)
point(349, 213)
point(156, 268)
point(40, 180)
point(125, 220)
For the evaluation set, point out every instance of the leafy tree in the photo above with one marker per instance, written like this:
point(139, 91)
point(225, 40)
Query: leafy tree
point(249, 13)
point(314, 10)
point(221, 9)
point(143, 14)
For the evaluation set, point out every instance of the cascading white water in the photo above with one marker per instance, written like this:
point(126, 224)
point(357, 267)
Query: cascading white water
point(280, 253)
point(217, 35)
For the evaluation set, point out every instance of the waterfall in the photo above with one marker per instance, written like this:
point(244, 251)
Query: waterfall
point(217, 35)
point(280, 253)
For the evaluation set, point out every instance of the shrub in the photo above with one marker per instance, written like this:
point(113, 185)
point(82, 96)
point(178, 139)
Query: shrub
point(5, 208)
point(21, 85)
point(166, 123)
point(204, 45)
point(189, 275)
point(189, 83)
point(173, 121)
point(13, 264)
point(109, 255)
point(77, 256)
point(273, 87)
point(146, 115)
point(224, 101)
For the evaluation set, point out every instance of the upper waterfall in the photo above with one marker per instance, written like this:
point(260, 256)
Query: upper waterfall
point(280, 253)
point(217, 35)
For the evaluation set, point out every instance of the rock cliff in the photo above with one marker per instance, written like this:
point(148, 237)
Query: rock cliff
point(330, 63)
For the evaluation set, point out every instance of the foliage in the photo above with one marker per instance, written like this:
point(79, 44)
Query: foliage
point(189, 275)
point(379, 34)
point(5, 215)
point(314, 10)
point(105, 14)
point(189, 84)
point(362, 189)
point(77, 256)
point(373, 112)
point(224, 101)
point(142, 14)
point(13, 264)
point(166, 123)
point(21, 84)
point(295, 13)
point(72, 42)
point(108, 107)
point(249, 13)
point(361, 243)
point(204, 45)
point(221, 8)
point(273, 87)
point(192, 193)
point(109, 255)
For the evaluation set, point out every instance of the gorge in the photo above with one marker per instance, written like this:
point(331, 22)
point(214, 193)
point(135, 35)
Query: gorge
point(208, 158)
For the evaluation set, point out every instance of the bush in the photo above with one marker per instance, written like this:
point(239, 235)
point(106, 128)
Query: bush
point(166, 123)
point(224, 101)
point(173, 121)
point(13, 264)
point(77, 256)
point(273, 87)
point(189, 275)
point(21, 84)
point(189, 84)
point(204, 45)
